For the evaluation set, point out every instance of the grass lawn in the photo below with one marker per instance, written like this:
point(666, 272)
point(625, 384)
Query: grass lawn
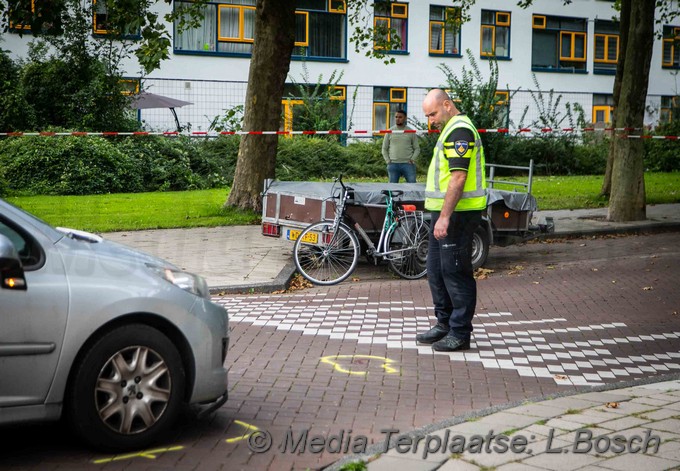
point(203, 208)
point(135, 211)
point(580, 192)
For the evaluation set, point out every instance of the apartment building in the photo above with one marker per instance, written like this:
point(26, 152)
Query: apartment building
point(571, 50)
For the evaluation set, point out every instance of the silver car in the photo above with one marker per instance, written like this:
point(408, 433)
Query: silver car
point(114, 340)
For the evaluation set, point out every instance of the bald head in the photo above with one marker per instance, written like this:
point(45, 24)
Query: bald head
point(438, 108)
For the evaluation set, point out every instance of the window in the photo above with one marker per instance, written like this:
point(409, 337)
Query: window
point(603, 109)
point(606, 48)
point(130, 86)
point(42, 14)
point(236, 23)
point(386, 102)
point(320, 29)
point(229, 25)
point(503, 107)
point(444, 31)
point(23, 25)
point(495, 34)
point(671, 47)
point(29, 251)
point(558, 44)
point(302, 28)
point(102, 24)
point(337, 6)
point(390, 23)
point(670, 109)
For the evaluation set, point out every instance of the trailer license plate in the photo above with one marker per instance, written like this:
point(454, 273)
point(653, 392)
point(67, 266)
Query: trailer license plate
point(310, 237)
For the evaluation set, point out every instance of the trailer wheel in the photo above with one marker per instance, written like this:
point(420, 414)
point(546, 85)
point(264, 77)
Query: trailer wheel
point(480, 247)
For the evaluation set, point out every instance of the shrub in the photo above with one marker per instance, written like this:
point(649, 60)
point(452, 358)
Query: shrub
point(216, 160)
point(662, 155)
point(590, 157)
point(552, 155)
point(4, 187)
point(364, 159)
point(67, 166)
point(163, 163)
point(302, 158)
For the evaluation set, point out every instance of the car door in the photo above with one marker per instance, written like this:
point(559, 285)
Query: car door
point(32, 322)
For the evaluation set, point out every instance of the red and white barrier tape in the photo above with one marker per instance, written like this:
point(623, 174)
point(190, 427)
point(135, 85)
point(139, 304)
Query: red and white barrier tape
point(353, 133)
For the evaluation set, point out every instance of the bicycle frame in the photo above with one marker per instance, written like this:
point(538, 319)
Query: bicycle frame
point(393, 215)
point(332, 251)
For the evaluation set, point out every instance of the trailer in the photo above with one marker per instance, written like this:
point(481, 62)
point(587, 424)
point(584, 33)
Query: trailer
point(288, 207)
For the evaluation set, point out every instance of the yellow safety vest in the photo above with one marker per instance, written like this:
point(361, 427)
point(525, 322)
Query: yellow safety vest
point(438, 175)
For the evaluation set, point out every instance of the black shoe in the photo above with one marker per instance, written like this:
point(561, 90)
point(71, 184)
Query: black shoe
point(437, 332)
point(451, 344)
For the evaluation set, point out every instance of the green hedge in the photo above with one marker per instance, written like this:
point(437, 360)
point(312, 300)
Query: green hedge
point(663, 155)
point(72, 165)
point(69, 166)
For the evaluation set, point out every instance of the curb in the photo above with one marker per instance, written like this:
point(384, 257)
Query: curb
point(374, 451)
point(653, 228)
point(280, 283)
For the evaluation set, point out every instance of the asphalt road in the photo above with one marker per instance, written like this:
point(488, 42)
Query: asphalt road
point(340, 363)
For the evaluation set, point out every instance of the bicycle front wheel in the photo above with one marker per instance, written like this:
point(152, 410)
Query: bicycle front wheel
point(408, 245)
point(326, 256)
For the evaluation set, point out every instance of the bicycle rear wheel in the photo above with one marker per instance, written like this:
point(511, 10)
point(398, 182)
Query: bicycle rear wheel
point(325, 256)
point(410, 242)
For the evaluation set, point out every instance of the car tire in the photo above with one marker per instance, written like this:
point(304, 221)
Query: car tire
point(127, 389)
point(480, 247)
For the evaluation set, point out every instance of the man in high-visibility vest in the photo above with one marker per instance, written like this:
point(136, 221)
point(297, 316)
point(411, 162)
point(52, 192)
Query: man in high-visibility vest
point(455, 193)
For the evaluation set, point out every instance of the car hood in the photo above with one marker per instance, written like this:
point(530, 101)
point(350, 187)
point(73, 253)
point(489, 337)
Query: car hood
point(110, 249)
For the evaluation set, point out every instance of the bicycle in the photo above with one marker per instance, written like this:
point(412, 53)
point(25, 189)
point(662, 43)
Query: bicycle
point(326, 252)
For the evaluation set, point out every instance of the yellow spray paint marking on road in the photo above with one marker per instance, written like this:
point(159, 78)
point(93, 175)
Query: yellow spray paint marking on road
point(148, 454)
point(333, 360)
point(249, 430)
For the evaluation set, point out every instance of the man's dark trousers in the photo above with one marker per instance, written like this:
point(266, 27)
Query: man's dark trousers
point(450, 274)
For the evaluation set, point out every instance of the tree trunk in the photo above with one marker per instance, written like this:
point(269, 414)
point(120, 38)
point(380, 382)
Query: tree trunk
point(627, 201)
point(269, 65)
point(624, 25)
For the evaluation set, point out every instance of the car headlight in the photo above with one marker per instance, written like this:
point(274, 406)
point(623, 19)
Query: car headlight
point(194, 284)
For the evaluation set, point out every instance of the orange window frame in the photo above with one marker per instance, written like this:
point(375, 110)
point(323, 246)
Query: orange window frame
point(504, 98)
point(606, 109)
point(337, 6)
point(288, 105)
point(606, 59)
point(397, 99)
point(342, 96)
point(443, 33)
point(387, 113)
point(241, 23)
point(22, 26)
point(573, 35)
point(305, 14)
point(394, 10)
point(670, 43)
point(502, 22)
point(95, 23)
point(538, 21)
point(386, 20)
point(130, 90)
point(482, 52)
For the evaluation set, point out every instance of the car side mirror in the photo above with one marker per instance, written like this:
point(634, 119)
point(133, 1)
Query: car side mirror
point(11, 270)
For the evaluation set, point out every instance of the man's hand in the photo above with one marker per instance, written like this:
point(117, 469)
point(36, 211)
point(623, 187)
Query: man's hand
point(441, 228)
